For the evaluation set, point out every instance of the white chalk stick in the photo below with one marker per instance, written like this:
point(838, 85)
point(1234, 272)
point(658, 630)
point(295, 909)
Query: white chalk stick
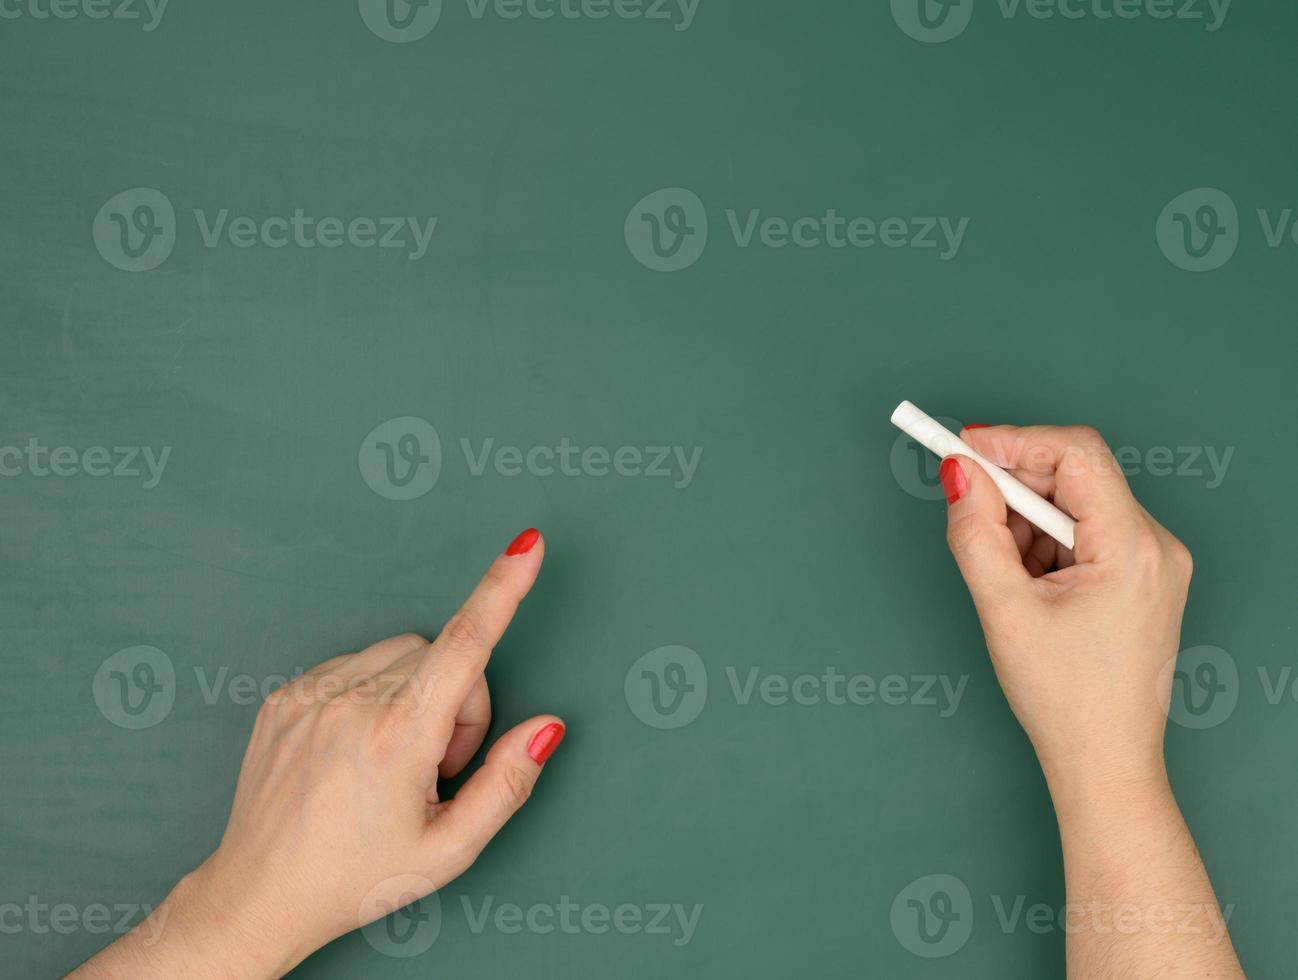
point(938, 439)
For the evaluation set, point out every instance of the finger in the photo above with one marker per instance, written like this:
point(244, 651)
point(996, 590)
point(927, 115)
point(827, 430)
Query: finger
point(1040, 557)
point(1087, 479)
point(445, 675)
point(1074, 467)
point(979, 536)
point(1023, 532)
point(462, 827)
point(471, 726)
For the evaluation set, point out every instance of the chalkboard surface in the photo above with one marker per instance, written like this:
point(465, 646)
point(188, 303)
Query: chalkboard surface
point(307, 308)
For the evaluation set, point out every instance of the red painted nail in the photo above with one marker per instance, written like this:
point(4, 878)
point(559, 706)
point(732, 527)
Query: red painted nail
point(524, 543)
point(978, 425)
point(954, 482)
point(545, 742)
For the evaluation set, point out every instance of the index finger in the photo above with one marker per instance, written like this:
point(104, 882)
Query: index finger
point(445, 675)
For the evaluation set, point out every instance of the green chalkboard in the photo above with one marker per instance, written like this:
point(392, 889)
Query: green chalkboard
point(307, 308)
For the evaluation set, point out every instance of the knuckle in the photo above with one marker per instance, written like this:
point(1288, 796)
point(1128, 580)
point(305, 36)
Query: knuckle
point(1147, 550)
point(1182, 560)
point(515, 787)
point(961, 535)
point(410, 640)
point(275, 700)
point(463, 630)
point(1087, 436)
point(388, 733)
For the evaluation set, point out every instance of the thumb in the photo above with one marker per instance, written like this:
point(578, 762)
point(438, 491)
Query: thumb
point(978, 535)
point(493, 794)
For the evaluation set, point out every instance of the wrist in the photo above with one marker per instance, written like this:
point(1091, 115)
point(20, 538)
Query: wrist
point(221, 933)
point(1101, 784)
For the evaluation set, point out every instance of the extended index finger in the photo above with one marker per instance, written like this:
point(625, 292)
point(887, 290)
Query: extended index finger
point(446, 674)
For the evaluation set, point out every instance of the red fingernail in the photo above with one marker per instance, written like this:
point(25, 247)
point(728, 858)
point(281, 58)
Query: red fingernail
point(524, 543)
point(954, 482)
point(545, 742)
point(978, 425)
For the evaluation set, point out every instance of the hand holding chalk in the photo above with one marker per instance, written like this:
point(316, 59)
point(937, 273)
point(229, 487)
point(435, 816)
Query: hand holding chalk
point(938, 439)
